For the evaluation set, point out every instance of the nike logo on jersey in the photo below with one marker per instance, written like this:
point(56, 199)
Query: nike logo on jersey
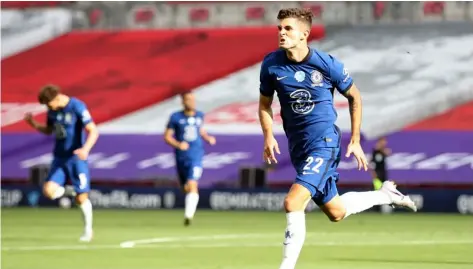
point(279, 78)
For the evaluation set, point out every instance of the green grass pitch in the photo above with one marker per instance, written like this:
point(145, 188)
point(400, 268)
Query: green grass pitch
point(146, 239)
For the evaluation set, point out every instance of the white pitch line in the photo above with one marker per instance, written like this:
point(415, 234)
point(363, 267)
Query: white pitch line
point(240, 244)
point(193, 238)
point(59, 247)
point(133, 243)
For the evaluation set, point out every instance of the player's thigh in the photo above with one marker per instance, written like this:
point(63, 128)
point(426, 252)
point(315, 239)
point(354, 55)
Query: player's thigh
point(194, 173)
point(79, 174)
point(297, 198)
point(182, 175)
point(316, 168)
point(56, 177)
point(329, 201)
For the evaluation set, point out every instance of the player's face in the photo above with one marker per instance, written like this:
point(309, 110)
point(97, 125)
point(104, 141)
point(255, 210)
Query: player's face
point(383, 142)
point(54, 104)
point(292, 33)
point(188, 101)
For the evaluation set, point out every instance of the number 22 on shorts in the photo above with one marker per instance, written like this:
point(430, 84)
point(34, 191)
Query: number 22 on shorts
point(312, 165)
point(82, 181)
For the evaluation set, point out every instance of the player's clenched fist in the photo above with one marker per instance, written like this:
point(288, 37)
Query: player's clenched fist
point(81, 153)
point(270, 146)
point(28, 117)
point(183, 145)
point(211, 140)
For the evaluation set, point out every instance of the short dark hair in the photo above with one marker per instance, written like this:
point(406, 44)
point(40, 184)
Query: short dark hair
point(304, 15)
point(184, 94)
point(48, 93)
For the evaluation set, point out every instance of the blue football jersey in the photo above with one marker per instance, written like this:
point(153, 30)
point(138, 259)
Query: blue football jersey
point(187, 128)
point(68, 127)
point(305, 91)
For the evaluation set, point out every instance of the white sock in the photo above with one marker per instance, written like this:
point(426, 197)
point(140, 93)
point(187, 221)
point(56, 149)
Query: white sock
point(58, 193)
point(86, 208)
point(294, 239)
point(192, 199)
point(356, 202)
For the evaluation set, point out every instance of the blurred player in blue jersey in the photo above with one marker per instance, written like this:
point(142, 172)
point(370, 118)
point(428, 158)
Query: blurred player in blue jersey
point(185, 133)
point(67, 118)
point(304, 80)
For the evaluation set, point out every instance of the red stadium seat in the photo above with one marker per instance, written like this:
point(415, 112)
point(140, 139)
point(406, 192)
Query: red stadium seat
point(316, 9)
point(30, 4)
point(95, 16)
point(199, 14)
point(255, 13)
point(434, 8)
point(378, 9)
point(144, 15)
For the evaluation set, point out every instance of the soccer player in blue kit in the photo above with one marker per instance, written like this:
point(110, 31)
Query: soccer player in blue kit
point(67, 118)
point(185, 132)
point(304, 80)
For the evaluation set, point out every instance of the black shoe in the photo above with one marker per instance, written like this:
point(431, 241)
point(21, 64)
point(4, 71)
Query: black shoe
point(187, 222)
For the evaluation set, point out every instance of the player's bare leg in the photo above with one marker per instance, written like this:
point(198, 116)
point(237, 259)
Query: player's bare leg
point(192, 199)
point(54, 191)
point(350, 203)
point(85, 205)
point(295, 203)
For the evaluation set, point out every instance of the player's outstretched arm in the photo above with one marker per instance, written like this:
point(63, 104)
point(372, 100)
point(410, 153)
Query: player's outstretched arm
point(208, 138)
point(45, 129)
point(354, 100)
point(92, 137)
point(265, 113)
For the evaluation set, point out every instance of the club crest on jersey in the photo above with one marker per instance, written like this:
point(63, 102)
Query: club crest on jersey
point(198, 121)
point(191, 121)
point(67, 118)
point(299, 76)
point(316, 78)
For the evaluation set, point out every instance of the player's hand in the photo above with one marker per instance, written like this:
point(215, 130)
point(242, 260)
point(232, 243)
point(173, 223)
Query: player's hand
point(270, 146)
point(82, 153)
point(183, 146)
point(211, 140)
point(355, 148)
point(29, 118)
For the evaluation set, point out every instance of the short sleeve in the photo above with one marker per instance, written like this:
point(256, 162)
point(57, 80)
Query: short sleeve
point(171, 123)
point(83, 113)
point(266, 87)
point(202, 115)
point(339, 75)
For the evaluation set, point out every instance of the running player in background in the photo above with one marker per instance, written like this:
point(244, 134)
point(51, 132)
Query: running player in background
point(67, 117)
point(378, 163)
point(305, 80)
point(185, 133)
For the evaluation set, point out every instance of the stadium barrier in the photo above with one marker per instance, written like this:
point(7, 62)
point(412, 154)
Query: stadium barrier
point(157, 65)
point(427, 200)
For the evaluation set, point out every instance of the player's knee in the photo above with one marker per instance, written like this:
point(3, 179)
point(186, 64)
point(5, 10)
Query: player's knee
point(49, 189)
point(336, 216)
point(81, 198)
point(292, 204)
point(191, 186)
